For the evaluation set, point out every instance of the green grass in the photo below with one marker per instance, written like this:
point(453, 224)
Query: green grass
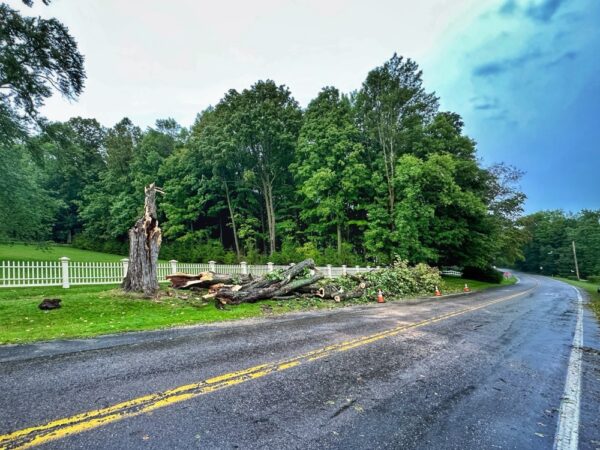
point(454, 284)
point(592, 290)
point(95, 310)
point(52, 252)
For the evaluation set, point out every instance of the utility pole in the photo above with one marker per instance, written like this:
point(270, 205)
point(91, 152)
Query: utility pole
point(575, 257)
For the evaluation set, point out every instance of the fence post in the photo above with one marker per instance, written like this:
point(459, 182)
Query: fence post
point(212, 266)
point(65, 272)
point(173, 266)
point(357, 269)
point(377, 268)
point(329, 274)
point(269, 267)
point(244, 265)
point(344, 270)
point(125, 263)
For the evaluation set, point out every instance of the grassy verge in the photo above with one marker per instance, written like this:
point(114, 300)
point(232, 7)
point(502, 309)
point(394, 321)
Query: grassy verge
point(32, 252)
point(95, 310)
point(592, 290)
point(453, 284)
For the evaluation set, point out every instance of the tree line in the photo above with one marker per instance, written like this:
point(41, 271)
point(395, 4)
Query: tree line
point(360, 177)
point(550, 248)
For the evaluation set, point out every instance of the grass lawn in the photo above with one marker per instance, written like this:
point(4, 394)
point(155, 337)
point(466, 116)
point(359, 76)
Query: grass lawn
point(94, 310)
point(591, 289)
point(454, 284)
point(33, 252)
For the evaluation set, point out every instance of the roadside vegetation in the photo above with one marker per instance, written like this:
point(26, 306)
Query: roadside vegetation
point(96, 310)
point(549, 250)
point(591, 289)
point(454, 284)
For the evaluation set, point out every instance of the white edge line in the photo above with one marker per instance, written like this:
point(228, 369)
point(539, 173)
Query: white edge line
point(567, 429)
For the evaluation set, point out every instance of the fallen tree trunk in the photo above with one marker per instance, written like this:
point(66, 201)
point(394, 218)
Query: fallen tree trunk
point(230, 297)
point(265, 287)
point(299, 280)
point(205, 280)
point(311, 289)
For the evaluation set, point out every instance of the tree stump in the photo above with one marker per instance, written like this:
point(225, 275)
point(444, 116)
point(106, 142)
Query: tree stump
point(144, 244)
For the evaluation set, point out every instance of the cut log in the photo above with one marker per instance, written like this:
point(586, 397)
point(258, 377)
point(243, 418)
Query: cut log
point(328, 291)
point(357, 292)
point(205, 280)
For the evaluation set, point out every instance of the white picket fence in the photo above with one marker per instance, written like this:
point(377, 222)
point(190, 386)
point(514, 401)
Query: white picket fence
point(68, 273)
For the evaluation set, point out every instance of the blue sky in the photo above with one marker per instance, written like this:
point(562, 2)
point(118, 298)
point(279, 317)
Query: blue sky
point(524, 74)
point(526, 78)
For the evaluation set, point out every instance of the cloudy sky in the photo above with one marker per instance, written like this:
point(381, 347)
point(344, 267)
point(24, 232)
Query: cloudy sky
point(524, 74)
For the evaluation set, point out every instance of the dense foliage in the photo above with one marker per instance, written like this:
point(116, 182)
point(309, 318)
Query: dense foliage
point(361, 178)
point(550, 250)
point(400, 279)
point(487, 274)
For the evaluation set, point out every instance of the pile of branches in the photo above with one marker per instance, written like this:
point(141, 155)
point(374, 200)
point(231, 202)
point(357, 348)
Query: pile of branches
point(300, 280)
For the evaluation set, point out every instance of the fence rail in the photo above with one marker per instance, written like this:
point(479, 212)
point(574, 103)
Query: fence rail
point(68, 273)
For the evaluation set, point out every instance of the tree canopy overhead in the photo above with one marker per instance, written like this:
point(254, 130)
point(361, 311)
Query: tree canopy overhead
point(37, 56)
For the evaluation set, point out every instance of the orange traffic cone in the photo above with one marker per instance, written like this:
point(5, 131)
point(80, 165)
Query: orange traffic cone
point(466, 288)
point(437, 292)
point(380, 297)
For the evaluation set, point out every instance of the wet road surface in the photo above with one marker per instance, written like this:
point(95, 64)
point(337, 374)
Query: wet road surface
point(486, 370)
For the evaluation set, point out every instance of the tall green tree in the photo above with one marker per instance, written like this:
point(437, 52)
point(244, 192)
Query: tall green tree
point(27, 210)
point(436, 216)
point(505, 205)
point(392, 103)
point(329, 167)
point(264, 121)
point(111, 205)
point(71, 157)
point(208, 170)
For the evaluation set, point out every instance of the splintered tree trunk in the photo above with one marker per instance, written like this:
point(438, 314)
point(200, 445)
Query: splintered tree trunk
point(144, 245)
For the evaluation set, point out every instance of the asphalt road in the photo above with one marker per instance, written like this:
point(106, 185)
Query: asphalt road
point(481, 371)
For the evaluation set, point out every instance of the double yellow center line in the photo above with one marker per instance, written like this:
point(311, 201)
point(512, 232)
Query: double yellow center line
point(61, 428)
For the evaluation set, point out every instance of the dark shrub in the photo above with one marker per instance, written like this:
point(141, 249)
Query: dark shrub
point(488, 274)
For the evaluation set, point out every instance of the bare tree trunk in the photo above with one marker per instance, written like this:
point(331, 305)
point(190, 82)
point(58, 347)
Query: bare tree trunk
point(144, 244)
point(389, 161)
point(231, 215)
point(268, 194)
point(339, 239)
